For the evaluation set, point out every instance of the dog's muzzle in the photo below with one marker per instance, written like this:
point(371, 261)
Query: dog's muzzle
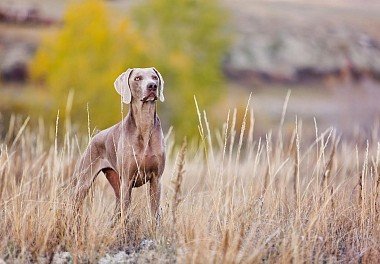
point(152, 96)
point(151, 90)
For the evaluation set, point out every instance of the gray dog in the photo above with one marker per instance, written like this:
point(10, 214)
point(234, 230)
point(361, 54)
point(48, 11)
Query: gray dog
point(132, 152)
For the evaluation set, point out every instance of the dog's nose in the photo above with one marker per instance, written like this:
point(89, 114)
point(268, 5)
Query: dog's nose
point(152, 87)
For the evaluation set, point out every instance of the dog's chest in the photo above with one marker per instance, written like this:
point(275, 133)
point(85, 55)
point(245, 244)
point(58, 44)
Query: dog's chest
point(146, 160)
point(144, 168)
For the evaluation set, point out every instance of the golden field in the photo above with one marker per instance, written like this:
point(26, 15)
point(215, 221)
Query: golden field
point(228, 197)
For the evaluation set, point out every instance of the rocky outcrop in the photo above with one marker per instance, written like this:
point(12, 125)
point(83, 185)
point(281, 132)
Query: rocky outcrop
point(300, 41)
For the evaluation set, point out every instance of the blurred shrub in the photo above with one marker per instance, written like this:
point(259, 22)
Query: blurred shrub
point(184, 40)
point(85, 56)
point(187, 40)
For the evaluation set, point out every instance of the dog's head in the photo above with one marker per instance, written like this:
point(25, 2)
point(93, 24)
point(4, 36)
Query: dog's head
point(141, 84)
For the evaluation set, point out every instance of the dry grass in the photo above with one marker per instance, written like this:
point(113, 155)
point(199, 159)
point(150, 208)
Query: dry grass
point(285, 198)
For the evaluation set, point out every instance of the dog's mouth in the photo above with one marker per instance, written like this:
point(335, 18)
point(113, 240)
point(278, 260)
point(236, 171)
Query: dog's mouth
point(150, 97)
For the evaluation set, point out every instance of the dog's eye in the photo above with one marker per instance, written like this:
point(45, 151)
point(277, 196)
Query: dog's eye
point(154, 77)
point(138, 78)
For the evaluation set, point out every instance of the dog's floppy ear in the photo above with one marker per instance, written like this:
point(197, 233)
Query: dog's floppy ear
point(161, 87)
point(122, 86)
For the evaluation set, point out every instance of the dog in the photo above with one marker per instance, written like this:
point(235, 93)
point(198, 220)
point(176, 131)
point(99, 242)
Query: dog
point(132, 152)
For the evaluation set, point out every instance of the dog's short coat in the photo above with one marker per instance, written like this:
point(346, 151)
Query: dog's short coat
point(132, 152)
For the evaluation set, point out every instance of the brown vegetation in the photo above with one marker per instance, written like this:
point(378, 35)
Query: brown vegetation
point(285, 198)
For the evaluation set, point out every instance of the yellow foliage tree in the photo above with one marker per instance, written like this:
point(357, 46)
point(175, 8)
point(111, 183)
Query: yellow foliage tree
point(85, 56)
point(185, 40)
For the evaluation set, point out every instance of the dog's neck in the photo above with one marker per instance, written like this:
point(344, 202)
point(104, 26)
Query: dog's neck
point(143, 116)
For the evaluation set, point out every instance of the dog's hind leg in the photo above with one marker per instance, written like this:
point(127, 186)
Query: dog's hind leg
point(86, 171)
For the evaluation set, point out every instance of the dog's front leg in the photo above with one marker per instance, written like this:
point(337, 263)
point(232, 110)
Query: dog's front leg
point(125, 199)
point(114, 179)
point(155, 195)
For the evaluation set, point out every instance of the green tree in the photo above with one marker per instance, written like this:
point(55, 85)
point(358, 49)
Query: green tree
point(187, 41)
point(86, 55)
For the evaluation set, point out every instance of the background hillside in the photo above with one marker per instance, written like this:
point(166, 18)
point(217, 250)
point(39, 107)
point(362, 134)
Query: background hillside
point(327, 53)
